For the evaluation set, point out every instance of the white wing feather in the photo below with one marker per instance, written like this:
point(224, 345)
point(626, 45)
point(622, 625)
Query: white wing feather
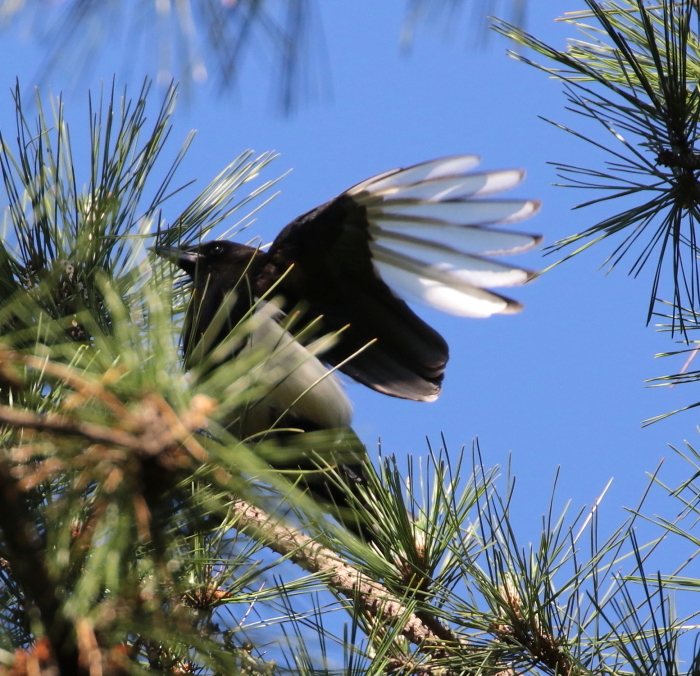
point(470, 238)
point(470, 269)
point(454, 187)
point(430, 230)
point(457, 212)
point(447, 166)
point(462, 301)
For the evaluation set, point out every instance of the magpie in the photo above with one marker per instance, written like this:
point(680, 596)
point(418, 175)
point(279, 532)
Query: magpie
point(427, 233)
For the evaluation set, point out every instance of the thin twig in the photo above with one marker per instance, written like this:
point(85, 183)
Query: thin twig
point(52, 422)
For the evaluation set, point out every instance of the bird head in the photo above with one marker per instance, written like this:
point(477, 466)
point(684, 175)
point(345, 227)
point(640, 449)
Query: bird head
point(219, 274)
point(208, 258)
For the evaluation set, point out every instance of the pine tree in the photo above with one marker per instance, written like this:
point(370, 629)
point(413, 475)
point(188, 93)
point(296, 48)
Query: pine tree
point(138, 536)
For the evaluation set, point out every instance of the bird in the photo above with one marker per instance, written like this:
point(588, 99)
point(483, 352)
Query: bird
point(427, 233)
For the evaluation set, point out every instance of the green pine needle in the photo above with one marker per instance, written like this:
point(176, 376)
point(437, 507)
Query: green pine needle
point(633, 77)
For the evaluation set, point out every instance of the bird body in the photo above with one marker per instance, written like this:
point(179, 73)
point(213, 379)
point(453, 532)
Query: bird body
point(427, 233)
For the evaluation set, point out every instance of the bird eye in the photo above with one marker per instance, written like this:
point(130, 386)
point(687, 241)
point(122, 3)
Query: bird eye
point(217, 249)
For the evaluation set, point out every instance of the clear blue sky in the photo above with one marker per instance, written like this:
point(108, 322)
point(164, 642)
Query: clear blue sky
point(560, 384)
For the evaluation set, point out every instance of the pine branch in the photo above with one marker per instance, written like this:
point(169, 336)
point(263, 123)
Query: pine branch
point(632, 76)
point(200, 41)
point(26, 558)
point(160, 433)
point(157, 437)
point(368, 595)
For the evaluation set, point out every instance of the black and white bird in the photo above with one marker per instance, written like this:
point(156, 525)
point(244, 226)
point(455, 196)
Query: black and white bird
point(427, 233)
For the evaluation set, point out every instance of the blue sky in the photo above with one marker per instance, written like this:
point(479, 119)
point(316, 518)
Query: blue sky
point(561, 384)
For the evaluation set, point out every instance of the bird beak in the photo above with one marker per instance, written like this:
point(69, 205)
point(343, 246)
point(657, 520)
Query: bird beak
point(181, 257)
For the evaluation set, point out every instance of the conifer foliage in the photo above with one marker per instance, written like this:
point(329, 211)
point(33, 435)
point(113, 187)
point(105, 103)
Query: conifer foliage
point(138, 536)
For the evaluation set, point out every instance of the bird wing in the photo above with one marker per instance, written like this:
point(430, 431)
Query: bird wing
point(427, 233)
point(432, 234)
